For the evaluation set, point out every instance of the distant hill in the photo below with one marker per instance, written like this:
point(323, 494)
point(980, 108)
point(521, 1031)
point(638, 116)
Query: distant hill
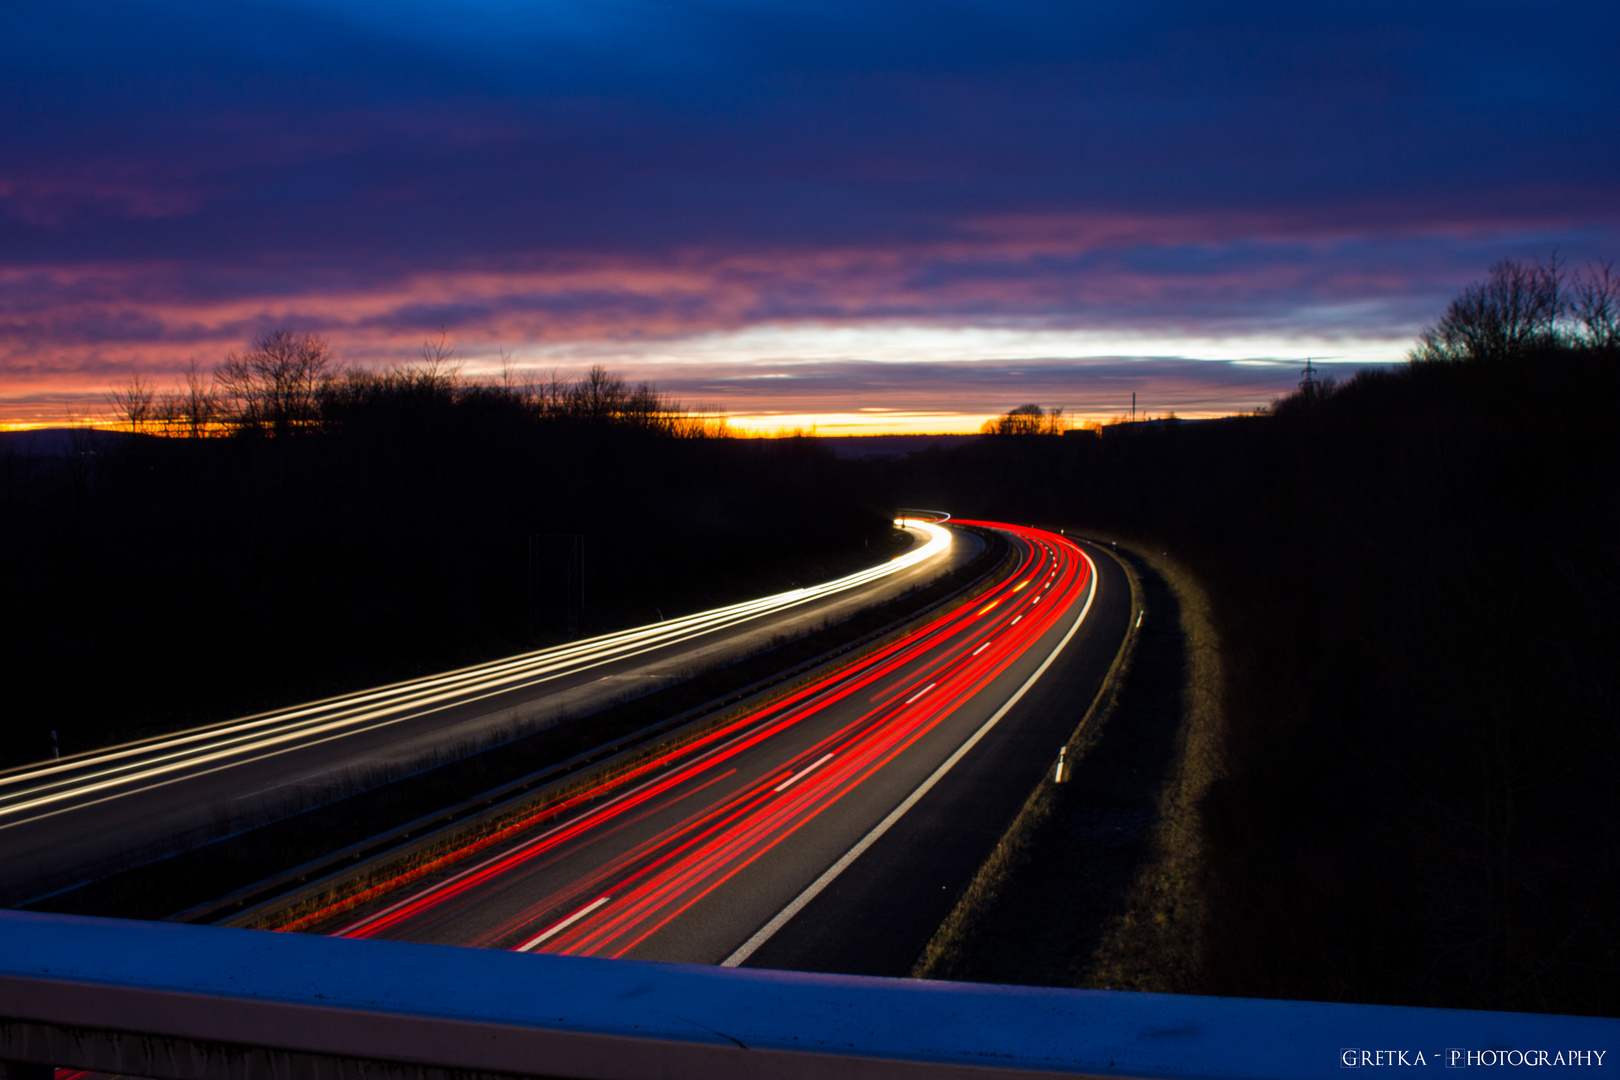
point(62, 441)
point(58, 441)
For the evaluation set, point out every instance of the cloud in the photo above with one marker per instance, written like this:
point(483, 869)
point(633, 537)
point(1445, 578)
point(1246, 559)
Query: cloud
point(1094, 387)
point(864, 396)
point(179, 176)
point(1287, 288)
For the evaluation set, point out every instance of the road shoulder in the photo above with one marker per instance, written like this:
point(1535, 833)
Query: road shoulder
point(1096, 883)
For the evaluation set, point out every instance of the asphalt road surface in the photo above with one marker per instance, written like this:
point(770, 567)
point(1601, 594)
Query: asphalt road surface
point(828, 831)
point(63, 821)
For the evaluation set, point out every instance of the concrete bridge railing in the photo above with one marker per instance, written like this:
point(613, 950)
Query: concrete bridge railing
point(178, 1002)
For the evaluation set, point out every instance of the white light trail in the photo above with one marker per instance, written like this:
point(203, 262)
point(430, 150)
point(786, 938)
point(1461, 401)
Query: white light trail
point(34, 791)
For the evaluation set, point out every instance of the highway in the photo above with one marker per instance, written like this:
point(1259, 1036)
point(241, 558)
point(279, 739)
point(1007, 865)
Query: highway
point(66, 820)
point(829, 830)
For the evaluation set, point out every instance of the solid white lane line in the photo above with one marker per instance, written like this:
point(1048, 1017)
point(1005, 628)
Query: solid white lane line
point(557, 928)
point(795, 777)
point(766, 932)
point(919, 694)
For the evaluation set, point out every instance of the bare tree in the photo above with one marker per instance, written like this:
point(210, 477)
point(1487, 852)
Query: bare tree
point(275, 388)
point(169, 411)
point(1027, 420)
point(201, 402)
point(133, 403)
point(1514, 310)
point(544, 395)
point(1596, 305)
point(439, 367)
point(598, 397)
point(193, 409)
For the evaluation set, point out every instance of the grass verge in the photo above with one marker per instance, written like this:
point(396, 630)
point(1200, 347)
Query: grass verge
point(1155, 943)
point(1096, 882)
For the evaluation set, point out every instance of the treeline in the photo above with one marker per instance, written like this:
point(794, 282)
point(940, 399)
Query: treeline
point(289, 384)
point(348, 528)
point(1522, 308)
point(1028, 419)
point(1415, 576)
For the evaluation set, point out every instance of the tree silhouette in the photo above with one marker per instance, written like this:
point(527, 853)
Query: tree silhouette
point(1520, 309)
point(1596, 305)
point(133, 403)
point(192, 410)
point(275, 388)
point(1513, 311)
point(1028, 419)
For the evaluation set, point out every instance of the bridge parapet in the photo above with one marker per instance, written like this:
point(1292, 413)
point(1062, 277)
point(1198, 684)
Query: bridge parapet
point(178, 1002)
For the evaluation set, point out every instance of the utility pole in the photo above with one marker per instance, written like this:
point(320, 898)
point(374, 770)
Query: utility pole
point(1133, 406)
point(1309, 385)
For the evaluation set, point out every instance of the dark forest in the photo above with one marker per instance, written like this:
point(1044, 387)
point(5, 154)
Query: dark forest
point(1414, 578)
point(367, 528)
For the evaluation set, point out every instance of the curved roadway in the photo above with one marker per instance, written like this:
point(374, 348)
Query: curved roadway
point(829, 831)
point(66, 820)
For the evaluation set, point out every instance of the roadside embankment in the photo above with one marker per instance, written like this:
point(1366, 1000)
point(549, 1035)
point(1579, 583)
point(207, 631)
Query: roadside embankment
point(1414, 578)
point(1096, 882)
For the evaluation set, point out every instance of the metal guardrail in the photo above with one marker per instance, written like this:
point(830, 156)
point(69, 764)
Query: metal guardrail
point(179, 1002)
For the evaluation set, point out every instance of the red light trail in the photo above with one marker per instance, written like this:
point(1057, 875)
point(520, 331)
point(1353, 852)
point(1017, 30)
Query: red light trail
point(719, 812)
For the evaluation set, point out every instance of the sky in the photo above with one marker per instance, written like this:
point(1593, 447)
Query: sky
point(852, 216)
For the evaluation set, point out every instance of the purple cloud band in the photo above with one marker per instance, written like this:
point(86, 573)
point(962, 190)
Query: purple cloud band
point(178, 177)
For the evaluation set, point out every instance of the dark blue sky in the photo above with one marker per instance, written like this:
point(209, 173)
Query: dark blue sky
point(575, 181)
